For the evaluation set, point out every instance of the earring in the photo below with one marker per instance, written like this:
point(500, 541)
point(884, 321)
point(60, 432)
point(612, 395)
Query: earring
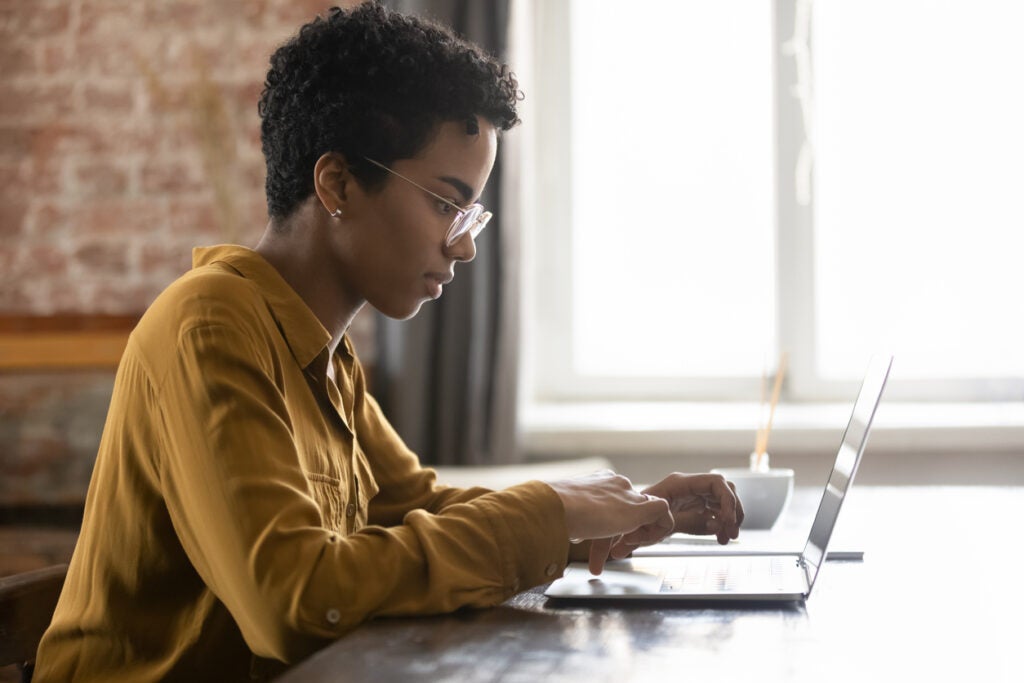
point(336, 213)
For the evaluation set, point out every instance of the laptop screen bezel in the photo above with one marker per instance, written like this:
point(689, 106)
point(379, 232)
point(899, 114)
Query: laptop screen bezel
point(851, 448)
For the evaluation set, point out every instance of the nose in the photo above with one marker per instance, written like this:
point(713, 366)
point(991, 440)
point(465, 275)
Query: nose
point(463, 249)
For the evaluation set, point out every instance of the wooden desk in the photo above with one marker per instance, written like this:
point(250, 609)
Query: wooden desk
point(909, 611)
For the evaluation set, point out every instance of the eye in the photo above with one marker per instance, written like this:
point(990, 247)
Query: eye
point(443, 207)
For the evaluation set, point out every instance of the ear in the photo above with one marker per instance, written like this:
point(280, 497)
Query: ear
point(331, 178)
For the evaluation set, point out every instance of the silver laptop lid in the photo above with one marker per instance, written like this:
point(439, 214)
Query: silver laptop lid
point(847, 460)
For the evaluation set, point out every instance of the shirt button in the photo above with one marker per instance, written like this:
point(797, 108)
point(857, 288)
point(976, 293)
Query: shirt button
point(351, 510)
point(333, 616)
point(551, 569)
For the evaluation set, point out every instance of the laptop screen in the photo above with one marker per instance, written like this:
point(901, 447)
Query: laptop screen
point(850, 450)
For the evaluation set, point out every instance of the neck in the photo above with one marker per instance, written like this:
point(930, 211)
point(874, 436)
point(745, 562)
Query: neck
point(298, 248)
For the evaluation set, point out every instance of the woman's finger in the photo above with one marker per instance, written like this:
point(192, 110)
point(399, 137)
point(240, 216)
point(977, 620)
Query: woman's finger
point(599, 550)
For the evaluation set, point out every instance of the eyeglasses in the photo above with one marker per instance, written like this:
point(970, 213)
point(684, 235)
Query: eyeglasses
point(471, 219)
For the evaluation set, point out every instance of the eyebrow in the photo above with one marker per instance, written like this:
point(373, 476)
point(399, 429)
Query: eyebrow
point(462, 188)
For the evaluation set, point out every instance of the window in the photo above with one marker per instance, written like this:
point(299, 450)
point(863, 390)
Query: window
point(719, 182)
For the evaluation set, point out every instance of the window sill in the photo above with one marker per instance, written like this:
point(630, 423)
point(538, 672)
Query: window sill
point(560, 429)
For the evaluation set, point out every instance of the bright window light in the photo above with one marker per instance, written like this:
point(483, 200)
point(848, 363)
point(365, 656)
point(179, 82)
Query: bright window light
point(919, 186)
point(673, 245)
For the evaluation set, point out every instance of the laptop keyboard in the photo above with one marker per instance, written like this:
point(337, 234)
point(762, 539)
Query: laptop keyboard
point(728, 574)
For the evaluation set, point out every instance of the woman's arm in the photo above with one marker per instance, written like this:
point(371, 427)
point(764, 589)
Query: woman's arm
point(244, 514)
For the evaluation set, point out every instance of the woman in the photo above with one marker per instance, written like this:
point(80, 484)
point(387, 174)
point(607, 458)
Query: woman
point(249, 501)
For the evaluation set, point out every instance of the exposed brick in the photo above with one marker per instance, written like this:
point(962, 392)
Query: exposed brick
point(248, 13)
point(294, 14)
point(51, 432)
point(9, 254)
point(15, 142)
point(256, 219)
point(87, 240)
point(31, 103)
point(58, 57)
point(116, 216)
point(246, 93)
point(19, 59)
point(252, 137)
point(168, 97)
point(34, 18)
point(112, 296)
point(254, 174)
point(167, 260)
point(101, 179)
point(12, 180)
point(106, 58)
point(45, 261)
point(118, 138)
point(12, 217)
point(101, 18)
point(48, 139)
point(242, 100)
point(118, 99)
point(254, 52)
point(50, 221)
point(103, 257)
point(181, 15)
point(27, 178)
point(174, 177)
point(170, 59)
point(13, 295)
point(194, 218)
point(49, 295)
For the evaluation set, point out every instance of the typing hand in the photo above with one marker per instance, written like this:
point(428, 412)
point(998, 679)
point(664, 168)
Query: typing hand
point(700, 503)
point(604, 506)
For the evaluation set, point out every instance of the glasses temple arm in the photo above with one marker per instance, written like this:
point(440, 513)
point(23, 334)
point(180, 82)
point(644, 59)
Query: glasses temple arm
point(413, 182)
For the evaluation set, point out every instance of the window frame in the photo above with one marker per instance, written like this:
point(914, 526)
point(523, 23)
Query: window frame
point(548, 375)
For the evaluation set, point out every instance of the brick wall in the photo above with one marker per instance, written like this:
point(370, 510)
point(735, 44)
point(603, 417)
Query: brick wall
point(128, 135)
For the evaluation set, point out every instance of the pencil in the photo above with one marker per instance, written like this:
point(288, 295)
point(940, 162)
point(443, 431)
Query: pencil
point(762, 435)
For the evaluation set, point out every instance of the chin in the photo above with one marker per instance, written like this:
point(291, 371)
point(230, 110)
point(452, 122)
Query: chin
point(400, 311)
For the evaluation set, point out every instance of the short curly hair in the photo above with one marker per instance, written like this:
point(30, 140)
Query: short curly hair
point(370, 82)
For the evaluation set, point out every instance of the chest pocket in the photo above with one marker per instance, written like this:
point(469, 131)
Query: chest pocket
point(344, 509)
point(332, 496)
point(367, 485)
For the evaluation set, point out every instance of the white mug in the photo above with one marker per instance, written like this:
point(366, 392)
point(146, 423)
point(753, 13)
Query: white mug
point(765, 494)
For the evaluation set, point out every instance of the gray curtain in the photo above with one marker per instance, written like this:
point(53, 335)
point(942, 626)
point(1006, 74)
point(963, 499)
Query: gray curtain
point(447, 378)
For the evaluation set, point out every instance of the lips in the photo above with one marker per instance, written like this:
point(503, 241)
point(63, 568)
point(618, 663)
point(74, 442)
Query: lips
point(436, 282)
point(442, 278)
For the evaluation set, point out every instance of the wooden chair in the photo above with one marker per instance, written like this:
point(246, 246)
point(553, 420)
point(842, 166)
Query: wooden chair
point(27, 602)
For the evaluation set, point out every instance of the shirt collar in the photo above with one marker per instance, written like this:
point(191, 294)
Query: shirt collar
point(303, 332)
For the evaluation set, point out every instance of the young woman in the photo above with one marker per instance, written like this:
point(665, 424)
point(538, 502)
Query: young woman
point(249, 501)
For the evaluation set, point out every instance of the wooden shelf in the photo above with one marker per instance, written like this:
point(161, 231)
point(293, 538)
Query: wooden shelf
point(63, 341)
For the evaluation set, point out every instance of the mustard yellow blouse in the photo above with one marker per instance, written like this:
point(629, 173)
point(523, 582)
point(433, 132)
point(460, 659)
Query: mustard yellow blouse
point(244, 507)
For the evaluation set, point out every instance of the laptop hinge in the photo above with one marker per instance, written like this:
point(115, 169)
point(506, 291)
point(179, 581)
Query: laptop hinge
point(807, 574)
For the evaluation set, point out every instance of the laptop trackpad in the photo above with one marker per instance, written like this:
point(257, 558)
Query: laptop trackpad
point(618, 578)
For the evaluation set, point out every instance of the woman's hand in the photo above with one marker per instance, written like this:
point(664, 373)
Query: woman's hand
point(605, 507)
point(700, 503)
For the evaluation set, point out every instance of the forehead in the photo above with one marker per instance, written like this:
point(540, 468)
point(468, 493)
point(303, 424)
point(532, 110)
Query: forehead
point(455, 153)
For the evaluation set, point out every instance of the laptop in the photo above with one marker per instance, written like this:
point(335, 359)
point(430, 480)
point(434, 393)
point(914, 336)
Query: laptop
point(741, 576)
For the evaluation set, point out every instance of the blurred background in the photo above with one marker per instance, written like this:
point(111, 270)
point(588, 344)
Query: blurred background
point(128, 135)
point(696, 189)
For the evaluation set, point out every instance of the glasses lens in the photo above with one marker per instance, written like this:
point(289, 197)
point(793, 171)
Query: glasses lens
point(468, 222)
point(480, 223)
